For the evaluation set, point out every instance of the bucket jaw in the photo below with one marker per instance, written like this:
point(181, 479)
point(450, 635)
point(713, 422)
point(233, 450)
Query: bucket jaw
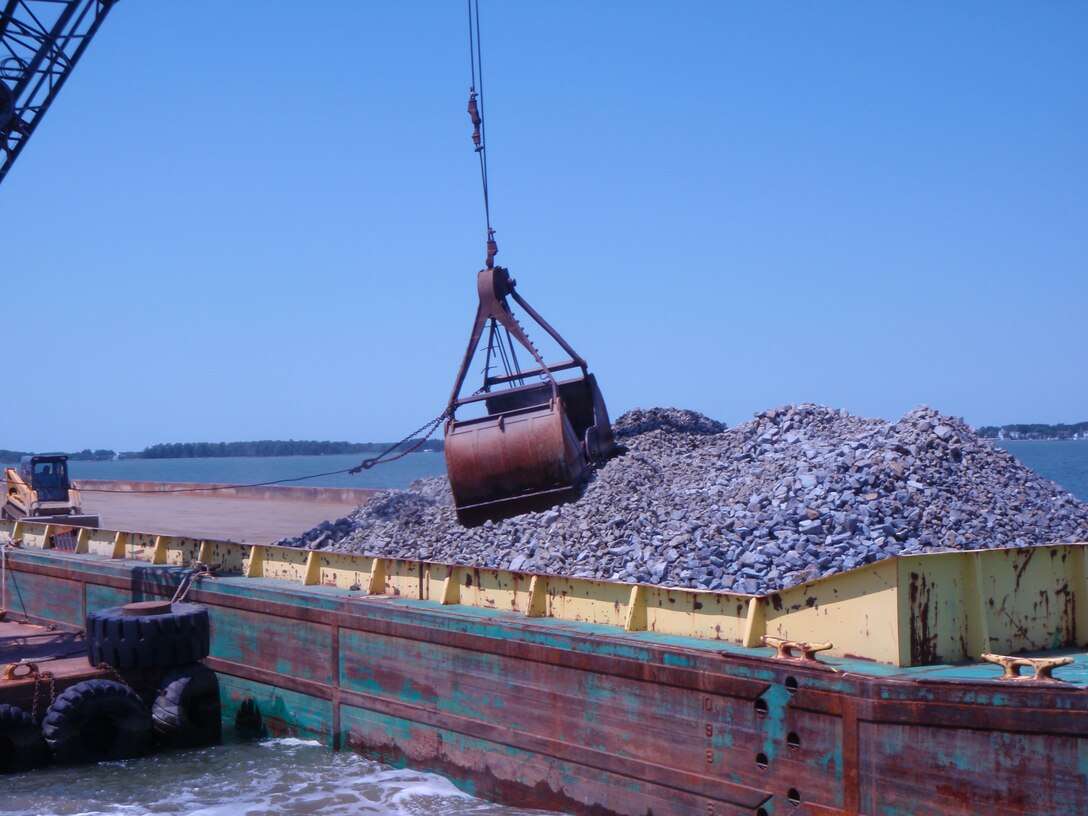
point(543, 426)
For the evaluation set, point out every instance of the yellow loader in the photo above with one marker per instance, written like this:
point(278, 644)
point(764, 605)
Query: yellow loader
point(39, 490)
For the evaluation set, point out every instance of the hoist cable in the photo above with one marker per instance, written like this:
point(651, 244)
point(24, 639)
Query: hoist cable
point(476, 112)
point(483, 121)
point(471, 53)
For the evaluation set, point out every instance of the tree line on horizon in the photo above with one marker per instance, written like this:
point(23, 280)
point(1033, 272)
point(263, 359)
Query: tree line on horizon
point(293, 447)
point(271, 447)
point(1035, 431)
point(9, 456)
point(213, 450)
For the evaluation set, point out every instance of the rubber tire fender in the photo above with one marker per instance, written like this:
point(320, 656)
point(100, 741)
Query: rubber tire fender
point(97, 721)
point(148, 641)
point(187, 712)
point(21, 743)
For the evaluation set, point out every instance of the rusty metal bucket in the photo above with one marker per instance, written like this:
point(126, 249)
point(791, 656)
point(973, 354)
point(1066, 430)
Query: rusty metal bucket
point(535, 444)
point(513, 461)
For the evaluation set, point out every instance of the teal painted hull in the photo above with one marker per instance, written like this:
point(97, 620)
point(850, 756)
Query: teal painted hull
point(579, 718)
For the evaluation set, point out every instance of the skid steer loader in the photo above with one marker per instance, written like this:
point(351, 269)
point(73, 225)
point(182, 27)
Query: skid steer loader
point(39, 490)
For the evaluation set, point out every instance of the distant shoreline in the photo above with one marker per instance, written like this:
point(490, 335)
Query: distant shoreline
point(1033, 439)
point(1035, 431)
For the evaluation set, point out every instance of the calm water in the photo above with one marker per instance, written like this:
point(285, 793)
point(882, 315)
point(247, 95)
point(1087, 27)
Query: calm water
point(1064, 462)
point(285, 777)
point(251, 469)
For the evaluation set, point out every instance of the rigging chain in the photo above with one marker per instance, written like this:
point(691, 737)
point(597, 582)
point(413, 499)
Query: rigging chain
point(366, 464)
point(380, 459)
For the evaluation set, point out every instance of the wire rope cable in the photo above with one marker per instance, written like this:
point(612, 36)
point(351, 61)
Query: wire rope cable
point(476, 112)
point(398, 450)
point(212, 488)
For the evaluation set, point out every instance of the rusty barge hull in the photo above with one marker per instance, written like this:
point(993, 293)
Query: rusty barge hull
point(583, 717)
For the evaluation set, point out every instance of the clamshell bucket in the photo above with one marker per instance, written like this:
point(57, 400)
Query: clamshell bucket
point(534, 446)
point(511, 457)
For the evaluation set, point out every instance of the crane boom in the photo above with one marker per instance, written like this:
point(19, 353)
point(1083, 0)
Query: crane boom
point(40, 43)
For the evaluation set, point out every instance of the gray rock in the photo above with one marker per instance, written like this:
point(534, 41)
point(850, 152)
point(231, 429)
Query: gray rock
point(692, 503)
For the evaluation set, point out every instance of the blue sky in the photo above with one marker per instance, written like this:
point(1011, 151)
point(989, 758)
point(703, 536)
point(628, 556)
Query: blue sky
point(262, 219)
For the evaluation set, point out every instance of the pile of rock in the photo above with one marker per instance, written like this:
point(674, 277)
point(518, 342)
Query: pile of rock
point(799, 492)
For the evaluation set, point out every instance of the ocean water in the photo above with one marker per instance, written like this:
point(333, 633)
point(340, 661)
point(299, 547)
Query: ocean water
point(1061, 461)
point(274, 777)
point(1065, 462)
point(259, 469)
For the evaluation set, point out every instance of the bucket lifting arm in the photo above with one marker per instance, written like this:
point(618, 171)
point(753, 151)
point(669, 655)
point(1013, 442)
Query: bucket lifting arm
point(540, 433)
point(493, 285)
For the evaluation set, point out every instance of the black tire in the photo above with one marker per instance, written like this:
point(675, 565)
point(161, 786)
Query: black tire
point(97, 721)
point(187, 714)
point(21, 743)
point(148, 641)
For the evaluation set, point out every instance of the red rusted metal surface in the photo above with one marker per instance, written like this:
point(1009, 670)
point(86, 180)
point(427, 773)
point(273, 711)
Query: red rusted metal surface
point(513, 457)
point(37, 663)
point(563, 716)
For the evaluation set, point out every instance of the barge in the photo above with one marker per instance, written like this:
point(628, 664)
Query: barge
point(950, 683)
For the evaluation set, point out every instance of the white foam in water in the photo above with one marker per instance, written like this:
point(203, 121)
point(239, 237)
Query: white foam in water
point(277, 777)
point(287, 742)
point(413, 792)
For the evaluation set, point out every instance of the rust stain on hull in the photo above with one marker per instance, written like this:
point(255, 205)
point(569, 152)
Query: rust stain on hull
point(542, 713)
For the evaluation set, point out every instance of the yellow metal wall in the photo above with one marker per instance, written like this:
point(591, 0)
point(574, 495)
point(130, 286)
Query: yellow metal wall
point(917, 610)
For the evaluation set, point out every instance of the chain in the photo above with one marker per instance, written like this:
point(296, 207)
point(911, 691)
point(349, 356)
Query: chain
point(430, 428)
point(199, 570)
point(38, 678)
point(107, 667)
point(182, 591)
point(381, 459)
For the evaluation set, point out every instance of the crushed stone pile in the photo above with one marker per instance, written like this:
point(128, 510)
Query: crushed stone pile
point(799, 492)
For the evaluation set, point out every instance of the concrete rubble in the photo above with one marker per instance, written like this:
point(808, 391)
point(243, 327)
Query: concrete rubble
point(799, 492)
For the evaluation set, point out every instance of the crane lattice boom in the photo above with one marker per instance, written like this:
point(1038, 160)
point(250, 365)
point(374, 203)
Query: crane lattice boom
point(40, 43)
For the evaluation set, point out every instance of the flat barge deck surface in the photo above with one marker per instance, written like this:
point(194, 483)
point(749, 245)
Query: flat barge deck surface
point(251, 516)
point(595, 698)
point(38, 662)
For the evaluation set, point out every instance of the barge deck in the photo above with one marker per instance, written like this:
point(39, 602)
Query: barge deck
point(38, 662)
point(250, 515)
point(597, 698)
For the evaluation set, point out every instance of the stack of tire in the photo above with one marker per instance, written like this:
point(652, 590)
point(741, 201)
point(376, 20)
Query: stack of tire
point(163, 696)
